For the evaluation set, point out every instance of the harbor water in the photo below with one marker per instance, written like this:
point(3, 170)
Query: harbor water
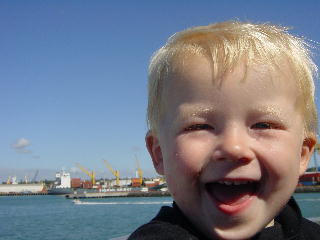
point(54, 217)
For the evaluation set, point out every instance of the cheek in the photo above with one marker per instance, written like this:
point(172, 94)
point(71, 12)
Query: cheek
point(183, 164)
point(189, 155)
point(282, 159)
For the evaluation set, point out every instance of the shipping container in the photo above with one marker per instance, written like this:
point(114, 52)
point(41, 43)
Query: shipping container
point(87, 184)
point(135, 182)
point(76, 182)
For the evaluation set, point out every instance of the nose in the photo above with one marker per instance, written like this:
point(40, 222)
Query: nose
point(234, 144)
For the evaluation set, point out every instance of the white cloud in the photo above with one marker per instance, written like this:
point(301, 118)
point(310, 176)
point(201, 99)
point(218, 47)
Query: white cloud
point(21, 145)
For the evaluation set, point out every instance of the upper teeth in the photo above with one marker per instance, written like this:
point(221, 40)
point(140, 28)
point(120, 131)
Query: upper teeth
point(234, 182)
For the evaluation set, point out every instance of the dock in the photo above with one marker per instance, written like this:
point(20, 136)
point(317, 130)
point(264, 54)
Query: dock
point(299, 189)
point(118, 194)
point(308, 189)
point(22, 194)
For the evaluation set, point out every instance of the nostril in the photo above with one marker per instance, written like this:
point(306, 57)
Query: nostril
point(245, 160)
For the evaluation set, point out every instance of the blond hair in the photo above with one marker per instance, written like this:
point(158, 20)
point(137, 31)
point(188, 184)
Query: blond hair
point(226, 44)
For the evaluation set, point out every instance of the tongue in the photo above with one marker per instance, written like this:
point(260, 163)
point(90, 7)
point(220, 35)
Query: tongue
point(231, 194)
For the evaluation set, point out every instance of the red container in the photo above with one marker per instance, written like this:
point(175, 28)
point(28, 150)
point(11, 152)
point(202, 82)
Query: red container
point(76, 182)
point(135, 182)
point(87, 184)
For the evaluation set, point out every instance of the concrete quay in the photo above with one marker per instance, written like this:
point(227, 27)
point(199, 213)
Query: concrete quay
point(118, 194)
point(22, 194)
point(308, 189)
point(299, 189)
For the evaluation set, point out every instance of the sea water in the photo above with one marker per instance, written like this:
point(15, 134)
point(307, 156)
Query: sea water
point(55, 217)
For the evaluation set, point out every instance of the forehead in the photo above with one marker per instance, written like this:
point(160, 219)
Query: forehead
point(260, 87)
point(190, 71)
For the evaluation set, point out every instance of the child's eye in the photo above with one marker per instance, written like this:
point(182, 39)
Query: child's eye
point(196, 127)
point(262, 125)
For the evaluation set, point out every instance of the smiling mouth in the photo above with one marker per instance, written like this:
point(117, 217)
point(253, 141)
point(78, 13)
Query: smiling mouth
point(232, 192)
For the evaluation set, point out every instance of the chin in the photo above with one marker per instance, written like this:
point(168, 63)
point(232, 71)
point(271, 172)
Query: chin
point(238, 227)
point(236, 234)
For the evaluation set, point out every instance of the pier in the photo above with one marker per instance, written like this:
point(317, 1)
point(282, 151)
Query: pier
point(299, 189)
point(119, 194)
point(22, 194)
point(307, 189)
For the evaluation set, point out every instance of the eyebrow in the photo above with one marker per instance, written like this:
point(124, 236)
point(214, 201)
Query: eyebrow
point(193, 111)
point(268, 110)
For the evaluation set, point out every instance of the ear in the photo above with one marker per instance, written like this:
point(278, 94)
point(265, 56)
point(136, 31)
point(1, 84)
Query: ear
point(307, 150)
point(153, 146)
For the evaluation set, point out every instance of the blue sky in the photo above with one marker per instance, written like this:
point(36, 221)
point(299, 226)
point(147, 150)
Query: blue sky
point(73, 75)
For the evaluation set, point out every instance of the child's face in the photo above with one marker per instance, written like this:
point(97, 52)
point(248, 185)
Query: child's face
point(232, 151)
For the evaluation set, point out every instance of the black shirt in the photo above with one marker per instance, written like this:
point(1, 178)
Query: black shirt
point(170, 223)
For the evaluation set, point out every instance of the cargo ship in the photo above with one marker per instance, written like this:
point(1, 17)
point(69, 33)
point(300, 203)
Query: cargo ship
point(65, 191)
point(310, 178)
point(309, 181)
point(65, 185)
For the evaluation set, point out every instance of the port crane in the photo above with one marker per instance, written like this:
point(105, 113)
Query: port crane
point(35, 176)
point(9, 180)
point(91, 174)
point(115, 173)
point(139, 170)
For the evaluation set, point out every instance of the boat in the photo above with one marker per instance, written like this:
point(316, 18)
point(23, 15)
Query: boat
point(66, 191)
point(62, 186)
point(77, 201)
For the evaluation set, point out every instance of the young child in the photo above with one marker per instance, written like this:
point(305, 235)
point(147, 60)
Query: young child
point(232, 127)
